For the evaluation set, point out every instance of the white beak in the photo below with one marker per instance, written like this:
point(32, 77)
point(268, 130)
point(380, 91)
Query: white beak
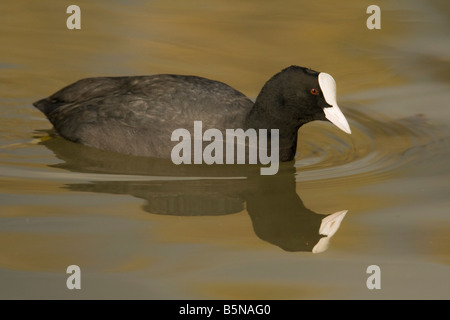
point(333, 113)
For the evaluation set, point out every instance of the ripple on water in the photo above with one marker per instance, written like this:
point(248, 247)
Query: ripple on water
point(377, 148)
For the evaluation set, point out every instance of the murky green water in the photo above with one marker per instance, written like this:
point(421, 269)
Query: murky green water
point(148, 229)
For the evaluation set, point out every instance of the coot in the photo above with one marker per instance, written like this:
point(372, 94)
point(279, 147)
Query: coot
point(137, 114)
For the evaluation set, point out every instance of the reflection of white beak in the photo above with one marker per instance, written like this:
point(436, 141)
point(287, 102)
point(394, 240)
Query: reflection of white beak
point(333, 113)
point(330, 224)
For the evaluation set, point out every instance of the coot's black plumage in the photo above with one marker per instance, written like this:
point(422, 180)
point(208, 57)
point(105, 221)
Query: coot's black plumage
point(137, 114)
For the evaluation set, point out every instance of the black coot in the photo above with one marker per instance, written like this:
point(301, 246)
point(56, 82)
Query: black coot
point(136, 115)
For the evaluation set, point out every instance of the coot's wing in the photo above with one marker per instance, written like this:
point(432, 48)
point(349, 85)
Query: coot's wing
point(137, 115)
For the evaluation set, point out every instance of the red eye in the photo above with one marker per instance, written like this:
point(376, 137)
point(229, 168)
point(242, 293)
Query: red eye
point(314, 92)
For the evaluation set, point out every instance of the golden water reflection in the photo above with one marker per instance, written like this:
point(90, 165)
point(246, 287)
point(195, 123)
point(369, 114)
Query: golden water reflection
point(61, 205)
point(278, 214)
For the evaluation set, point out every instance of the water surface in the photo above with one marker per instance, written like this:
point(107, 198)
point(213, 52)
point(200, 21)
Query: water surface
point(141, 228)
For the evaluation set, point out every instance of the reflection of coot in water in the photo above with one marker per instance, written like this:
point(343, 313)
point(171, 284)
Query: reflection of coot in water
point(277, 212)
point(137, 115)
point(279, 216)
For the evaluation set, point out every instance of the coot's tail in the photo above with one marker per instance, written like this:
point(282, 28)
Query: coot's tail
point(47, 105)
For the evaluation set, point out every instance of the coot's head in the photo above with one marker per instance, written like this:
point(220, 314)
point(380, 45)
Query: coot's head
point(296, 96)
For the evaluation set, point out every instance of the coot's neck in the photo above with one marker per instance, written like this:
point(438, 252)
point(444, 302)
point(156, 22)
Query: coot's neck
point(267, 113)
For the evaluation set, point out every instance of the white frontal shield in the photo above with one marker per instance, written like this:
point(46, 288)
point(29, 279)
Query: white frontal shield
point(333, 113)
